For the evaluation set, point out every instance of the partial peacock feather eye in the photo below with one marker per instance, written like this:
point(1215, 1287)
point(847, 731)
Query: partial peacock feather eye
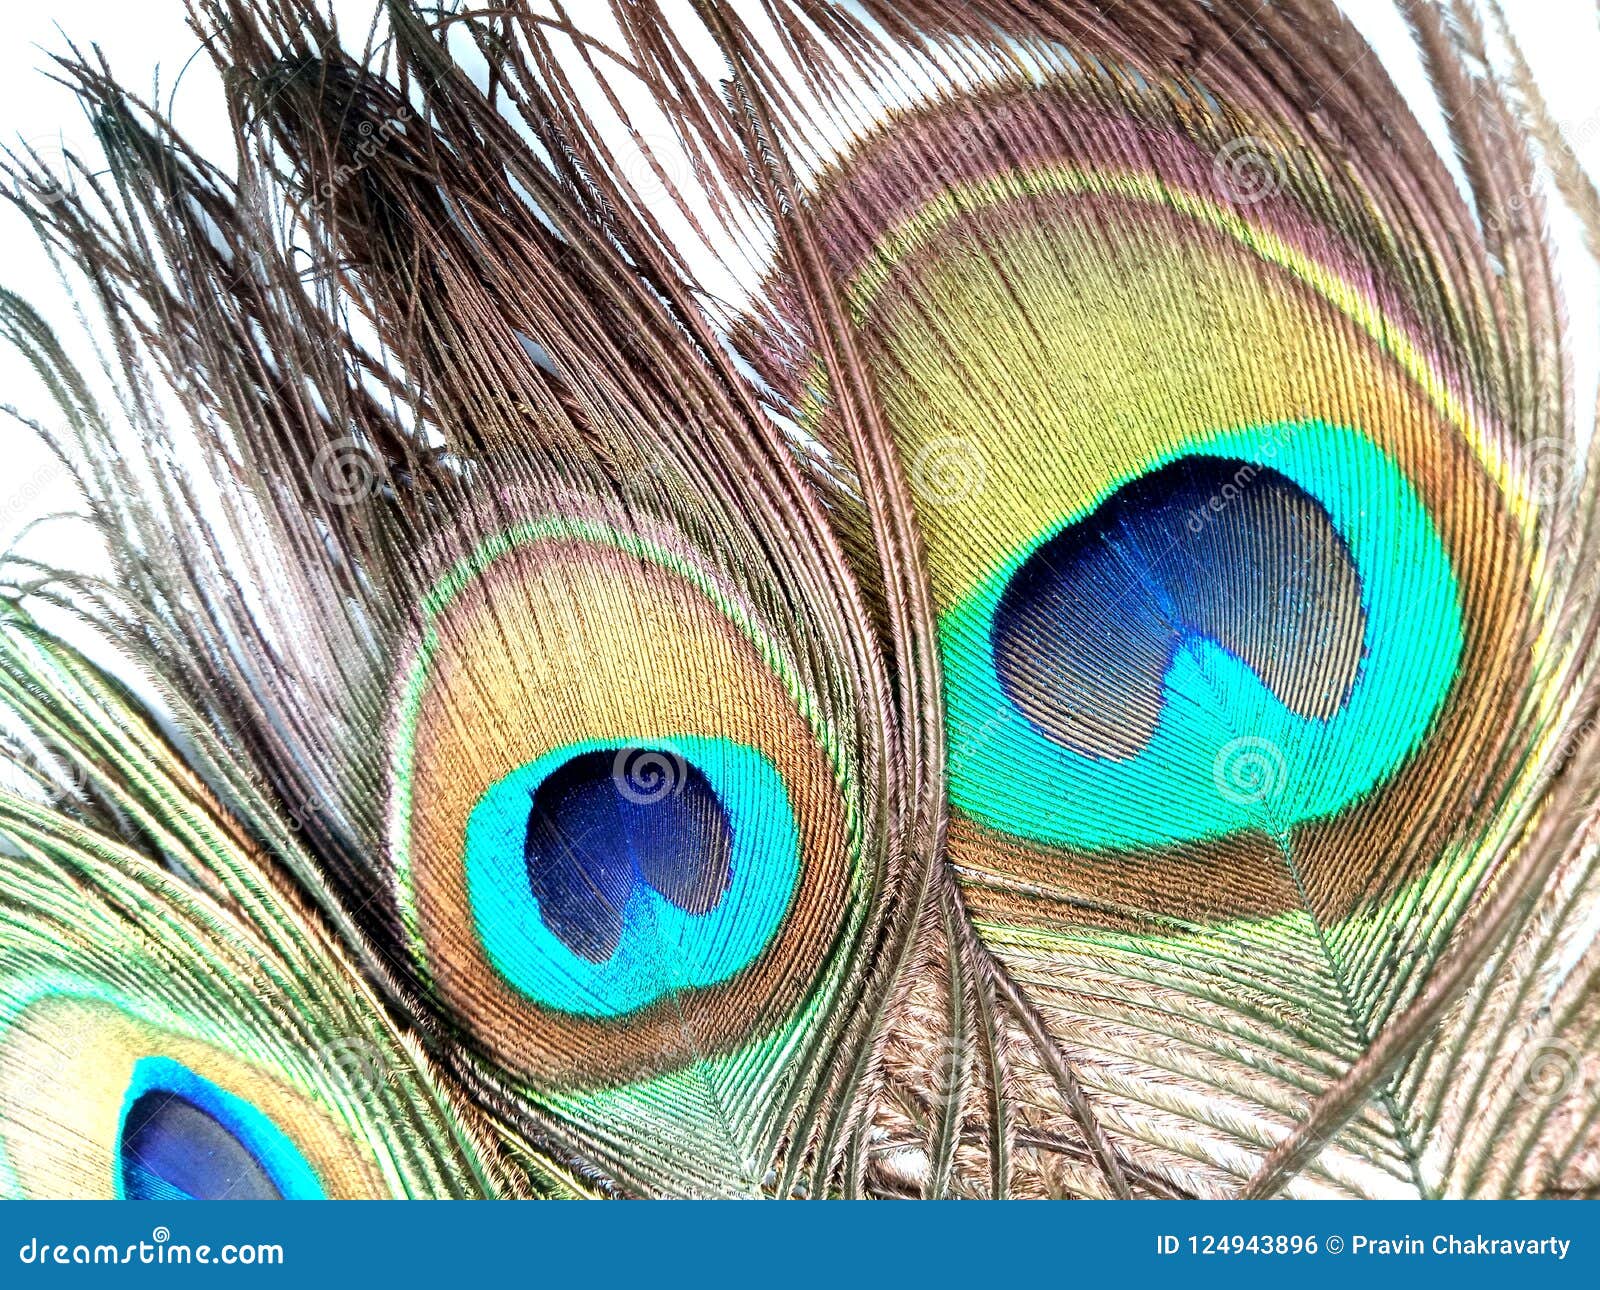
point(1164, 563)
point(620, 828)
point(1213, 598)
point(183, 1137)
point(103, 1102)
point(173, 1033)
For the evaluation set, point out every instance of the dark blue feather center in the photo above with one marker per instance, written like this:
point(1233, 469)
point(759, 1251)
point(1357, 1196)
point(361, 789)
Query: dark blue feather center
point(612, 819)
point(1205, 547)
point(173, 1150)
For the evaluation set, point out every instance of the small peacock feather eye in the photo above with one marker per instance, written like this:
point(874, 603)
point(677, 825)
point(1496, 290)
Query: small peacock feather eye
point(607, 877)
point(620, 829)
point(183, 1137)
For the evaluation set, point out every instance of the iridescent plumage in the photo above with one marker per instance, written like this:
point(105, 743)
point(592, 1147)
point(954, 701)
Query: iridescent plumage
point(1000, 609)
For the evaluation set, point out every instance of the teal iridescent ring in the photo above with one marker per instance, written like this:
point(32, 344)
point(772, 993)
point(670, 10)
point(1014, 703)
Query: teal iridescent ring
point(660, 940)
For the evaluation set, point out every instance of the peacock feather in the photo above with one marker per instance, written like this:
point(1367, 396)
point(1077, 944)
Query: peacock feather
point(810, 600)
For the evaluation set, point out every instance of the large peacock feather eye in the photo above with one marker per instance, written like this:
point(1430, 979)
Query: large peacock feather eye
point(1221, 550)
point(1211, 647)
point(103, 1102)
point(620, 829)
